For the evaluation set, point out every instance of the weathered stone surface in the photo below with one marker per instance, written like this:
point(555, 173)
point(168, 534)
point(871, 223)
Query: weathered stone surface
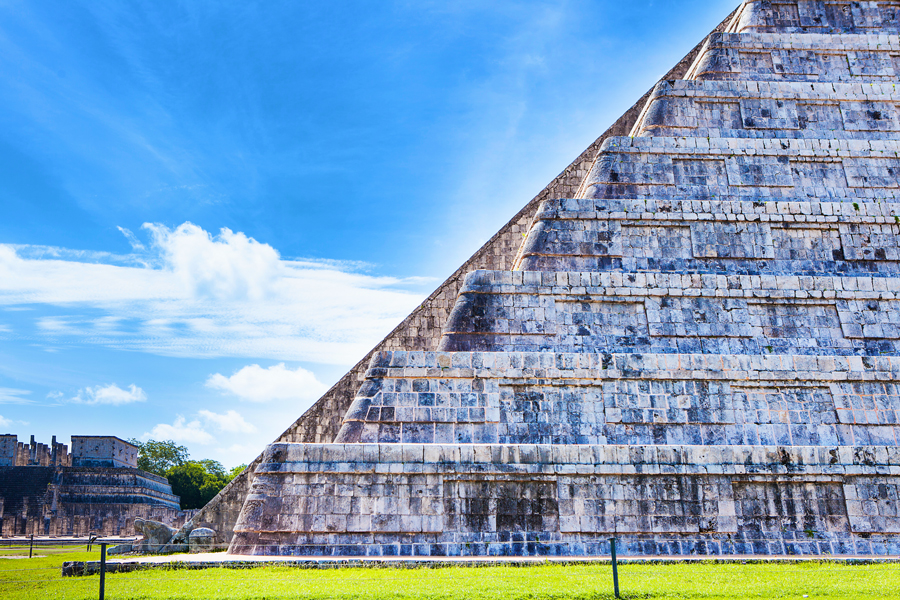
point(103, 451)
point(156, 535)
point(797, 57)
point(202, 539)
point(737, 109)
point(694, 236)
point(14, 453)
point(501, 500)
point(120, 549)
point(698, 353)
point(747, 169)
point(579, 398)
point(673, 313)
point(818, 16)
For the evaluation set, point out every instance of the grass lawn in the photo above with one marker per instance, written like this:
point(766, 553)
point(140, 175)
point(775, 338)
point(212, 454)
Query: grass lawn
point(39, 578)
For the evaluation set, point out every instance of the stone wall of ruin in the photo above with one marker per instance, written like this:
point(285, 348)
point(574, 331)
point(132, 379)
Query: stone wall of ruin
point(73, 501)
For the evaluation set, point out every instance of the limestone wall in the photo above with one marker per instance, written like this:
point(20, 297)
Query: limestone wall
point(103, 451)
point(552, 398)
point(674, 313)
point(699, 354)
point(482, 500)
point(695, 236)
point(764, 109)
point(821, 16)
point(747, 169)
point(798, 57)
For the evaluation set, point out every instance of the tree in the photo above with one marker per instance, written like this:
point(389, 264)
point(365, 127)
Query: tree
point(158, 457)
point(235, 472)
point(213, 467)
point(197, 481)
point(187, 481)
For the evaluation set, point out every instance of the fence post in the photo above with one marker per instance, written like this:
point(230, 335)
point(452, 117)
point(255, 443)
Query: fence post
point(615, 566)
point(31, 547)
point(102, 569)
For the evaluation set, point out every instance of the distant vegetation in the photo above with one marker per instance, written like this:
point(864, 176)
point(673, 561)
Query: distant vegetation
point(195, 481)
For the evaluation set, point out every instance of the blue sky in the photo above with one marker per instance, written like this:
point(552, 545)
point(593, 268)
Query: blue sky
point(210, 210)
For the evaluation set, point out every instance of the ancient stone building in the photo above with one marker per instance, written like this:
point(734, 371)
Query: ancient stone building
point(693, 347)
point(97, 488)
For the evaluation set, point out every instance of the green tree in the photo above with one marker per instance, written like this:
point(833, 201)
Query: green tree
point(187, 480)
point(197, 481)
point(213, 467)
point(158, 457)
point(235, 472)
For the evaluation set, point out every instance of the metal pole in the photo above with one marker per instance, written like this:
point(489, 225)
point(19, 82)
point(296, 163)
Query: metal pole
point(102, 569)
point(31, 547)
point(615, 565)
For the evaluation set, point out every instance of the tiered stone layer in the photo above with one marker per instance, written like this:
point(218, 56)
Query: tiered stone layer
point(565, 500)
point(638, 399)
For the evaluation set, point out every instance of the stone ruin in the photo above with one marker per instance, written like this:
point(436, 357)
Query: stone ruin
point(688, 341)
point(96, 489)
point(160, 538)
point(14, 453)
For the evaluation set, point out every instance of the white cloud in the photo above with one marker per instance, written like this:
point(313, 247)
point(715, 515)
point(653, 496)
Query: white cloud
point(110, 394)
point(256, 384)
point(14, 396)
point(229, 266)
point(180, 431)
point(4, 422)
point(197, 295)
point(231, 421)
point(132, 239)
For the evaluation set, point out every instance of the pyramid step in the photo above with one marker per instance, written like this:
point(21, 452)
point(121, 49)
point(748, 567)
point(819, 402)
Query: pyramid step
point(798, 57)
point(818, 16)
point(715, 236)
point(771, 109)
point(514, 500)
point(744, 169)
point(559, 398)
point(674, 313)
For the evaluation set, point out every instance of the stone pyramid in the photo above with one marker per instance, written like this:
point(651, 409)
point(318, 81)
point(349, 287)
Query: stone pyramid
point(696, 352)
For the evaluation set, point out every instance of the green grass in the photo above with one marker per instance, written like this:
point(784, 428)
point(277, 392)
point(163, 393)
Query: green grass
point(40, 578)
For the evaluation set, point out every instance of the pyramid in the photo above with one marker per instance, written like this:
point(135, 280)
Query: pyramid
point(693, 349)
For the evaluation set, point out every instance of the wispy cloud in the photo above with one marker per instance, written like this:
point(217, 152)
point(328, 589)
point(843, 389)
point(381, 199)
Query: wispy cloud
point(14, 396)
point(4, 422)
point(132, 239)
point(110, 394)
point(256, 384)
point(195, 294)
